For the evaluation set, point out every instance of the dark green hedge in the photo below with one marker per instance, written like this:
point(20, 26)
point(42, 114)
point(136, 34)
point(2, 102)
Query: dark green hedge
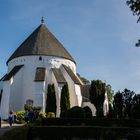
point(92, 122)
point(68, 132)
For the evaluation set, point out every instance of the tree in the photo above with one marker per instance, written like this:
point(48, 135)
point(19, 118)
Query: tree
point(128, 99)
point(135, 8)
point(65, 99)
point(97, 95)
point(110, 93)
point(135, 109)
point(51, 99)
point(118, 104)
point(111, 113)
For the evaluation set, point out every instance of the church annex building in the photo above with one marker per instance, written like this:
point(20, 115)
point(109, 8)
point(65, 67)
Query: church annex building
point(40, 60)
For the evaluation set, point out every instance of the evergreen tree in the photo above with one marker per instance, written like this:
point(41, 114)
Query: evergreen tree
point(128, 100)
point(65, 99)
point(135, 109)
point(118, 104)
point(51, 99)
point(97, 95)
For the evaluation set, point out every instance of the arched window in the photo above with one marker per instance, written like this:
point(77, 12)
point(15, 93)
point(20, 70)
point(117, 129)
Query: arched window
point(40, 58)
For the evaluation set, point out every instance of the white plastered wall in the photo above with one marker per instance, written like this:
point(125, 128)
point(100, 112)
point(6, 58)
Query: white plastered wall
point(23, 87)
point(71, 86)
point(78, 94)
point(5, 100)
point(15, 100)
point(106, 105)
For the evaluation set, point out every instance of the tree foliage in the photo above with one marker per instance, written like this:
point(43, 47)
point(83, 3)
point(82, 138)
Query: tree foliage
point(135, 8)
point(123, 102)
point(110, 93)
point(118, 104)
point(97, 95)
point(65, 99)
point(128, 99)
point(51, 99)
point(135, 109)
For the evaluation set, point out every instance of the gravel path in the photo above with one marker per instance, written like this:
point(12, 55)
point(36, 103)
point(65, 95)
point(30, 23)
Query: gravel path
point(5, 127)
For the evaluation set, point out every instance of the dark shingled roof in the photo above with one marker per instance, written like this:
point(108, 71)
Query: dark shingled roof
point(72, 75)
point(85, 91)
point(41, 42)
point(12, 72)
point(58, 75)
point(40, 74)
point(3, 77)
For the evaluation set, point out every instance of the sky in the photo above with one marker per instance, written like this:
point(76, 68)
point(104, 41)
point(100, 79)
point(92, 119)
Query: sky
point(99, 34)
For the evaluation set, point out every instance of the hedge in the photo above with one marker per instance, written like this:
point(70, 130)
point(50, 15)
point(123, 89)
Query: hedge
point(134, 123)
point(69, 132)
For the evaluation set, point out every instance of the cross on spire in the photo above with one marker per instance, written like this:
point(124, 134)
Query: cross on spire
point(42, 20)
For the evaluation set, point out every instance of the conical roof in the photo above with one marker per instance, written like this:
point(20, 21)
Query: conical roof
point(41, 42)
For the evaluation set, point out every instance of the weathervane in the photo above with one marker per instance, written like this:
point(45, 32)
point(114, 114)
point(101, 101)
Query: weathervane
point(42, 20)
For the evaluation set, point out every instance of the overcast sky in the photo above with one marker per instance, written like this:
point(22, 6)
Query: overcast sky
point(99, 34)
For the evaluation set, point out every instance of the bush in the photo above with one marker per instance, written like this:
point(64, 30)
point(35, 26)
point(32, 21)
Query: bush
point(111, 113)
point(88, 112)
point(42, 115)
point(20, 116)
point(75, 112)
point(50, 115)
point(135, 111)
point(28, 107)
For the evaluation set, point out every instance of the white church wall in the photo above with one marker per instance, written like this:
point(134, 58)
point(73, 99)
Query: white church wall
point(71, 86)
point(78, 93)
point(25, 88)
point(28, 82)
point(106, 105)
point(5, 100)
point(47, 61)
point(15, 102)
point(39, 95)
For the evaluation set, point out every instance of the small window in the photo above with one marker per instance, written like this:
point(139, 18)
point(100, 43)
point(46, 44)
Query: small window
point(40, 58)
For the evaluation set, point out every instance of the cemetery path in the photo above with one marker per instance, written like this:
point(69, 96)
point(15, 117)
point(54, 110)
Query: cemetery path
point(5, 127)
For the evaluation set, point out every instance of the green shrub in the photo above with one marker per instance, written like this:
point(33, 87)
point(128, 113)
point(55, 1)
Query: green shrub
point(75, 112)
point(135, 111)
point(65, 99)
point(42, 115)
point(50, 115)
point(88, 112)
point(51, 99)
point(20, 116)
point(28, 107)
point(111, 113)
